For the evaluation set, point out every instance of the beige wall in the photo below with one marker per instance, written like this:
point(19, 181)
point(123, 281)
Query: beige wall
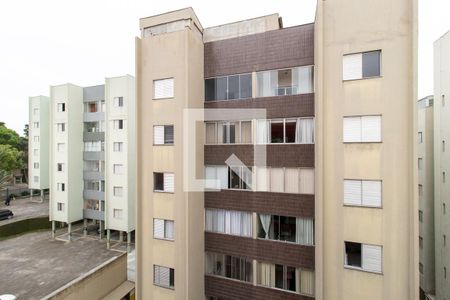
point(179, 55)
point(351, 26)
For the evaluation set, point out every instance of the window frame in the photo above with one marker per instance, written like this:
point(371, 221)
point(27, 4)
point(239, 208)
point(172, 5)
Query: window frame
point(227, 87)
point(362, 65)
point(361, 141)
point(350, 267)
point(165, 238)
point(154, 90)
point(171, 276)
point(362, 193)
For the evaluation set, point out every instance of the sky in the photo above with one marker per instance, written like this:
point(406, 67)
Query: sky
point(51, 42)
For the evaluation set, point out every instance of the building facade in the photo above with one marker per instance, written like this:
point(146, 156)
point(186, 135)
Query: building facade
point(38, 143)
point(441, 165)
point(330, 212)
point(92, 158)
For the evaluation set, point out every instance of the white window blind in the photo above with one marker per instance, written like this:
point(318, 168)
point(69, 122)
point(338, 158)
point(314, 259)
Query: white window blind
point(168, 182)
point(163, 88)
point(262, 179)
point(292, 181)
point(158, 228)
point(169, 229)
point(364, 129)
point(371, 258)
point(158, 135)
point(352, 192)
point(306, 181)
point(228, 222)
point(161, 275)
point(352, 129)
point(362, 192)
point(352, 66)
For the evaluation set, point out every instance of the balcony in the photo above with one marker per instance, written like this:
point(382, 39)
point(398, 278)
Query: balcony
point(93, 116)
point(91, 194)
point(93, 214)
point(93, 136)
point(99, 155)
point(93, 175)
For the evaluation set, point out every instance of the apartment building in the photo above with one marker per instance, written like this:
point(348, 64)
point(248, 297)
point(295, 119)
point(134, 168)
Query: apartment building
point(331, 210)
point(425, 165)
point(38, 143)
point(441, 165)
point(92, 157)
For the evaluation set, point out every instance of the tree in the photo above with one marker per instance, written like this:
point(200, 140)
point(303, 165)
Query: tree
point(9, 136)
point(10, 158)
point(6, 179)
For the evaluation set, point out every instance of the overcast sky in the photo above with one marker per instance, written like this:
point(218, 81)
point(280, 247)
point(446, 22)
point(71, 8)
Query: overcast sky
point(50, 42)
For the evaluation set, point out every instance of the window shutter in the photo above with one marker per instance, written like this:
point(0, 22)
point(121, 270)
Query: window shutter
point(262, 179)
point(371, 193)
point(371, 128)
point(163, 88)
point(156, 275)
point(352, 192)
point(222, 175)
point(306, 181)
point(277, 180)
point(352, 129)
point(158, 135)
point(352, 67)
point(168, 182)
point(164, 276)
point(158, 228)
point(168, 226)
point(371, 258)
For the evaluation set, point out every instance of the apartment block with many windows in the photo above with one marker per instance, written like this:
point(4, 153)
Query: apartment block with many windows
point(331, 212)
point(38, 143)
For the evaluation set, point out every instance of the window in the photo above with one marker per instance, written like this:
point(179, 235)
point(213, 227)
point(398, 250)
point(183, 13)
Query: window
point(362, 193)
point(228, 87)
point(361, 65)
point(36, 179)
point(118, 146)
point(163, 182)
point(61, 187)
point(420, 242)
point(363, 256)
point(118, 191)
point(420, 216)
point(60, 147)
point(228, 222)
point(60, 167)
point(163, 276)
point(35, 111)
point(229, 266)
point(420, 163)
point(118, 124)
point(118, 169)
point(163, 229)
point(163, 88)
point(61, 107)
point(36, 138)
point(293, 81)
point(36, 125)
point(118, 213)
point(364, 129)
point(102, 106)
point(118, 101)
point(228, 132)
point(287, 180)
point(91, 107)
point(286, 278)
point(60, 127)
point(163, 135)
point(60, 206)
point(35, 152)
point(36, 165)
point(216, 177)
point(299, 131)
point(298, 230)
point(91, 204)
point(93, 146)
point(240, 178)
point(420, 137)
point(94, 126)
point(98, 186)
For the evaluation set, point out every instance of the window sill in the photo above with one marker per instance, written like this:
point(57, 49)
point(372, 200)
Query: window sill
point(227, 100)
point(364, 78)
point(362, 206)
point(163, 239)
point(361, 270)
point(172, 144)
point(356, 143)
point(167, 98)
point(163, 192)
point(164, 287)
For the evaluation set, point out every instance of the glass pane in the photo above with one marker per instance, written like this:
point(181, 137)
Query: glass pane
point(275, 234)
point(232, 133)
point(211, 133)
point(290, 131)
point(246, 86)
point(276, 132)
point(371, 64)
point(287, 229)
point(234, 178)
point(303, 80)
point(228, 266)
point(210, 89)
point(290, 278)
point(168, 134)
point(158, 179)
point(284, 82)
point(221, 88)
point(267, 83)
point(233, 87)
point(353, 254)
point(246, 132)
point(279, 276)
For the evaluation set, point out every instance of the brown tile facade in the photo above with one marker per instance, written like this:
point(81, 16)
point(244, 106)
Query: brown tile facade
point(276, 252)
point(226, 289)
point(270, 50)
point(283, 204)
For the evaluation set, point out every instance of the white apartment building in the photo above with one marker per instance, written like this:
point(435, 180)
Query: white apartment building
point(92, 158)
point(38, 143)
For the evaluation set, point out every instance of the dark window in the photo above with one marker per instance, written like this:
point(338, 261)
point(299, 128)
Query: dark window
point(232, 133)
point(63, 106)
point(290, 131)
point(221, 88)
point(276, 132)
point(59, 166)
point(353, 254)
point(284, 82)
point(210, 89)
point(290, 278)
point(279, 270)
point(233, 87)
point(371, 64)
point(158, 179)
point(234, 178)
point(245, 86)
point(284, 228)
point(172, 278)
point(285, 277)
point(168, 134)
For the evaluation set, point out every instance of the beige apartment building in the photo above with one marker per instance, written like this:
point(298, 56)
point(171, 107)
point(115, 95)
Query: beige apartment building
point(331, 213)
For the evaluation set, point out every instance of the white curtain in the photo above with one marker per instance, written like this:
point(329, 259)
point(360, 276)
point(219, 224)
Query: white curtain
point(306, 181)
point(307, 282)
point(169, 229)
point(291, 181)
point(246, 224)
point(265, 221)
point(209, 220)
point(220, 220)
point(303, 79)
point(236, 222)
point(305, 131)
point(209, 263)
point(228, 227)
point(262, 179)
point(277, 180)
point(305, 231)
point(262, 132)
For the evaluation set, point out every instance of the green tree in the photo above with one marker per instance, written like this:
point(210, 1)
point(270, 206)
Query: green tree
point(10, 158)
point(9, 137)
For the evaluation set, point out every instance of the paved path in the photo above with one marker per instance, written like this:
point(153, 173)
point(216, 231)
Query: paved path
point(25, 209)
point(32, 265)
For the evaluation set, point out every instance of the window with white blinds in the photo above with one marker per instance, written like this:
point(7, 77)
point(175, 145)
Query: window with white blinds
point(163, 88)
point(163, 276)
point(216, 177)
point(163, 135)
point(228, 222)
point(285, 180)
point(118, 213)
point(118, 169)
point(361, 65)
point(363, 193)
point(362, 129)
point(163, 229)
point(169, 182)
point(363, 256)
